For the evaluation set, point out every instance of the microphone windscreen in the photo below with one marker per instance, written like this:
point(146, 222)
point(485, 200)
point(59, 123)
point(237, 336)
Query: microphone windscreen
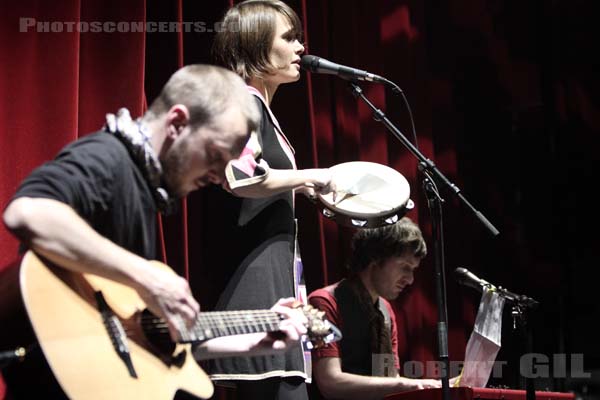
point(461, 273)
point(309, 62)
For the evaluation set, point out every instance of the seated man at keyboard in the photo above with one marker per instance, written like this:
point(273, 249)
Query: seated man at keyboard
point(364, 364)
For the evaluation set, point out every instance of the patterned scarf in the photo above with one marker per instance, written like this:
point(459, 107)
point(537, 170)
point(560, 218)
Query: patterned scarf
point(362, 311)
point(135, 136)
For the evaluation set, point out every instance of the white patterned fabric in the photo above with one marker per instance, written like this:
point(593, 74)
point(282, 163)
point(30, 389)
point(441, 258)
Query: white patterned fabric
point(136, 138)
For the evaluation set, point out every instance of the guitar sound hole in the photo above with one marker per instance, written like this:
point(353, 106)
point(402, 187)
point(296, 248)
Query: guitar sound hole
point(157, 334)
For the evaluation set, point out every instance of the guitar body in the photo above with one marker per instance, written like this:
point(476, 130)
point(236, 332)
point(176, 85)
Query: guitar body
point(64, 314)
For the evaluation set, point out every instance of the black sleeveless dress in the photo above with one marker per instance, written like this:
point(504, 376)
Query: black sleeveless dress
point(260, 260)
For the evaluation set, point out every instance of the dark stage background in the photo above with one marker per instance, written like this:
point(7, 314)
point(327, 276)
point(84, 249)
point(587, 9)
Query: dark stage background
point(505, 102)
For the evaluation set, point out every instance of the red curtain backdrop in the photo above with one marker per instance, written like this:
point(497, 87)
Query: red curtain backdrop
point(504, 100)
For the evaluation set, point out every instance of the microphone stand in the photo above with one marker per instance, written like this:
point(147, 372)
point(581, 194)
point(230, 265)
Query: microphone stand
point(432, 174)
point(434, 203)
point(424, 163)
point(520, 304)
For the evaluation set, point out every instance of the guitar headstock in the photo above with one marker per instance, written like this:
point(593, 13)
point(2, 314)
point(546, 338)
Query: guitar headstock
point(319, 330)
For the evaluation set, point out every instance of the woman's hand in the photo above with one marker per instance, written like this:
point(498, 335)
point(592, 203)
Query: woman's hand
point(307, 191)
point(320, 180)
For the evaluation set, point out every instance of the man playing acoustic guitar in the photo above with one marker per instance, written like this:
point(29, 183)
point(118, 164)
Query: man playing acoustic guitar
point(92, 210)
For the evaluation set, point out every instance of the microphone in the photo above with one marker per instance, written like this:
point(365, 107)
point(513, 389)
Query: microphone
point(320, 65)
point(467, 278)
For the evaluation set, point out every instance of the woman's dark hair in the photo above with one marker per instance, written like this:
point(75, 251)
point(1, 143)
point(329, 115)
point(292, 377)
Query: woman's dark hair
point(246, 33)
point(378, 244)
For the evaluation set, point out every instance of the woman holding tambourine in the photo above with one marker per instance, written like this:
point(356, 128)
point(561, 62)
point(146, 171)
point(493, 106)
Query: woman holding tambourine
point(261, 41)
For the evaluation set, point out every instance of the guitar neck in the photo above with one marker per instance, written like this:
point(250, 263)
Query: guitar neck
point(210, 325)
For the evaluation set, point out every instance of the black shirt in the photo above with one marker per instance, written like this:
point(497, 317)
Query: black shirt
point(96, 176)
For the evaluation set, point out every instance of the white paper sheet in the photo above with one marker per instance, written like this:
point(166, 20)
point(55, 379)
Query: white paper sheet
point(485, 341)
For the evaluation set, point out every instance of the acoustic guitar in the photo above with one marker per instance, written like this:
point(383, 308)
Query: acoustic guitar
point(102, 343)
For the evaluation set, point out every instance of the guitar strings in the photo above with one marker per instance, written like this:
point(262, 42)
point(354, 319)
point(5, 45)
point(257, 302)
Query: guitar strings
point(239, 322)
point(209, 325)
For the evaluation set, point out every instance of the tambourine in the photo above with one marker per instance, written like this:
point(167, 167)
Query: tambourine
point(369, 195)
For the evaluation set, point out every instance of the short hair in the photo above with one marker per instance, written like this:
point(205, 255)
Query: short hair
point(244, 41)
point(207, 91)
point(378, 244)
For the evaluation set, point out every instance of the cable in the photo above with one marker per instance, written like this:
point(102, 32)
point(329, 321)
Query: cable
point(396, 89)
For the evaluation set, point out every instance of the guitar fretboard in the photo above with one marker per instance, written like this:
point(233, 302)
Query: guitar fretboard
point(214, 324)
